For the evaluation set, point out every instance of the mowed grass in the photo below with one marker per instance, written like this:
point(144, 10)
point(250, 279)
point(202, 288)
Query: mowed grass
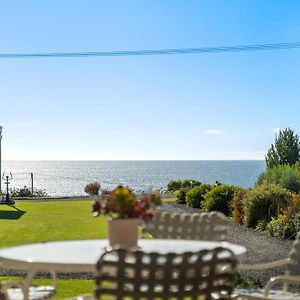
point(65, 288)
point(34, 222)
point(51, 221)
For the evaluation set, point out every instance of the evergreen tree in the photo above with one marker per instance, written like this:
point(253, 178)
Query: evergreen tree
point(285, 150)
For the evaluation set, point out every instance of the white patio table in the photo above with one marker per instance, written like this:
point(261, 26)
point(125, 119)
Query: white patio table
point(82, 255)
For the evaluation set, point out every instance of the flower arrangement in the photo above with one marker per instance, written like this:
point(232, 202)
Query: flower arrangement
point(122, 203)
point(93, 188)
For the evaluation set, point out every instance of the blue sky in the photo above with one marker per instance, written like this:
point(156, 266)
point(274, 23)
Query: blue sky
point(208, 106)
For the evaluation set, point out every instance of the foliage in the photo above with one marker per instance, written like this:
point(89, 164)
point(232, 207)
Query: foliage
point(93, 188)
point(264, 202)
point(181, 196)
point(26, 192)
point(288, 222)
point(195, 196)
point(285, 150)
point(175, 185)
point(219, 198)
point(242, 282)
point(122, 203)
point(262, 225)
point(237, 206)
point(286, 176)
point(189, 183)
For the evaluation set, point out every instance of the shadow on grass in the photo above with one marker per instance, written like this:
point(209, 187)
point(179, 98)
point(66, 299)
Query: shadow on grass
point(11, 215)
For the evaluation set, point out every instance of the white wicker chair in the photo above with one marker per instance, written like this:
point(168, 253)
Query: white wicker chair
point(134, 274)
point(290, 277)
point(138, 275)
point(24, 290)
point(197, 226)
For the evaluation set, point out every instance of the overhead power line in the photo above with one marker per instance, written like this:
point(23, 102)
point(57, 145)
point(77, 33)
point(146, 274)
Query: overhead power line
point(261, 47)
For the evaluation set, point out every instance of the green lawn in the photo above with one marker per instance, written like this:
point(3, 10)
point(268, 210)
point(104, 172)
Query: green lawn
point(65, 288)
point(33, 222)
point(50, 221)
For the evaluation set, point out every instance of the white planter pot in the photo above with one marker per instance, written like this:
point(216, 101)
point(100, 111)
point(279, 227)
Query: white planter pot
point(123, 232)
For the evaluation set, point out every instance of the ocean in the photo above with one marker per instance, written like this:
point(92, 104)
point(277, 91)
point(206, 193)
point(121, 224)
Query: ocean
point(68, 178)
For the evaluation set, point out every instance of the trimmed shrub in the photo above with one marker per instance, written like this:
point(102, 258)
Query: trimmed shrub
point(219, 198)
point(286, 176)
point(237, 206)
point(175, 185)
point(181, 197)
point(195, 196)
point(93, 188)
point(264, 202)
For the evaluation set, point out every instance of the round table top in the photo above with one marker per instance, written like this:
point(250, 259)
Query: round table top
point(82, 255)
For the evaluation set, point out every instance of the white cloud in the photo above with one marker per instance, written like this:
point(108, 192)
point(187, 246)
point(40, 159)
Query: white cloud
point(213, 131)
point(276, 130)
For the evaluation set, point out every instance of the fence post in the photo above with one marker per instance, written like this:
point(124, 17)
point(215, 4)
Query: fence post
point(31, 175)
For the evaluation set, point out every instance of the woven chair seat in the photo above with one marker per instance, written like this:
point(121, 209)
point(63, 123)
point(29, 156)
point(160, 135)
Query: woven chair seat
point(273, 294)
point(35, 293)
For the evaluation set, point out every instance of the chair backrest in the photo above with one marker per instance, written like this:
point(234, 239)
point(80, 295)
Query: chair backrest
point(198, 226)
point(293, 268)
point(133, 274)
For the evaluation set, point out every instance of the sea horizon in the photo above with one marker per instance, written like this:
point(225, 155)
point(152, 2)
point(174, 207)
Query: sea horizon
point(8, 160)
point(68, 177)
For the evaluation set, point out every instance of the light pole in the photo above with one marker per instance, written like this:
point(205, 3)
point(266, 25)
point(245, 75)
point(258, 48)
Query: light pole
point(0, 160)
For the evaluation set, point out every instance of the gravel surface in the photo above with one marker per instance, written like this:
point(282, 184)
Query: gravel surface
point(260, 248)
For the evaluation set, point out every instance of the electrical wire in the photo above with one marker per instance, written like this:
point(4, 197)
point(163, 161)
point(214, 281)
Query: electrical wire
point(258, 47)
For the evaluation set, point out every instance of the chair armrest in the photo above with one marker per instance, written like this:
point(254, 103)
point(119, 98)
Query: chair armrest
point(263, 266)
point(286, 279)
point(31, 274)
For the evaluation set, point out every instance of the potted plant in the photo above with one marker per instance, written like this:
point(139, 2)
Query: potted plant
point(125, 209)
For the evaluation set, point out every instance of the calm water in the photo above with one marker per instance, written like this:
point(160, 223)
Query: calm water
point(68, 178)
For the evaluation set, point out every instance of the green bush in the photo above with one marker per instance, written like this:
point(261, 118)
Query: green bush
point(195, 196)
point(276, 228)
point(264, 202)
point(237, 206)
point(190, 183)
point(286, 176)
point(181, 196)
point(175, 185)
point(285, 150)
point(219, 198)
point(288, 222)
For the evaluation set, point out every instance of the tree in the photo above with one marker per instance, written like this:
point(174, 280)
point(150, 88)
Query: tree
point(285, 150)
